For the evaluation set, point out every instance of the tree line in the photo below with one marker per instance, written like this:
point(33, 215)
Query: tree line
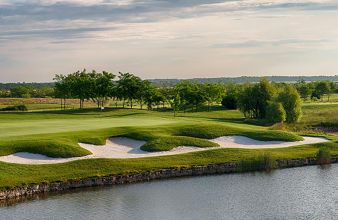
point(274, 102)
point(128, 88)
point(27, 91)
point(271, 101)
point(316, 90)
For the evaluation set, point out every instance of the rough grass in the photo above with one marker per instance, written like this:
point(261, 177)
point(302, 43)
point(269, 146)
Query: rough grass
point(317, 115)
point(261, 162)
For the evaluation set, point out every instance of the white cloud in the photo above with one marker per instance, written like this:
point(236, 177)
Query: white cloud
point(165, 39)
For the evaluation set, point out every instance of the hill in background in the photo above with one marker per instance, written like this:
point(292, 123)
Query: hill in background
point(171, 82)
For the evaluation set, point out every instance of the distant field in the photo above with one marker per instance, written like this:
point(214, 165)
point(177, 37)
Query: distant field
point(34, 104)
point(319, 115)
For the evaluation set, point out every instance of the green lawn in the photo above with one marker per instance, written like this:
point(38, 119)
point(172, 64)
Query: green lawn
point(57, 133)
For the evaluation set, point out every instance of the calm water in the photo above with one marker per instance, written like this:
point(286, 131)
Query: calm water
point(299, 193)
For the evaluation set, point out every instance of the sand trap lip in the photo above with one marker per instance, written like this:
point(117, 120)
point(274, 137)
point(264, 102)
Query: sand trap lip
point(121, 147)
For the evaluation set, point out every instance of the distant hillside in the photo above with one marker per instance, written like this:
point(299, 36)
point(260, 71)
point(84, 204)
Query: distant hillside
point(170, 82)
point(245, 79)
point(8, 86)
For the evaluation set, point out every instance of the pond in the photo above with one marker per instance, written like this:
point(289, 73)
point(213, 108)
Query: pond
point(297, 193)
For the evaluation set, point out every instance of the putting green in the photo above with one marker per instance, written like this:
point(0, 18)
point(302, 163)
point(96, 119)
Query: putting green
point(21, 127)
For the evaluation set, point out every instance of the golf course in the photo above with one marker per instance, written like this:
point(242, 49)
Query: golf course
point(57, 134)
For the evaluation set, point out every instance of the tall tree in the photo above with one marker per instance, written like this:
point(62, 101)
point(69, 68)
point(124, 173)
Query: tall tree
point(63, 89)
point(304, 89)
point(254, 99)
point(128, 86)
point(102, 87)
point(291, 102)
point(213, 93)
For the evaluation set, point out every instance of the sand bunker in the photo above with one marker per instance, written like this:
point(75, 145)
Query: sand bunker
point(120, 147)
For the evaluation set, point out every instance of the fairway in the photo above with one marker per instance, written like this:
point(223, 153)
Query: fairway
point(30, 126)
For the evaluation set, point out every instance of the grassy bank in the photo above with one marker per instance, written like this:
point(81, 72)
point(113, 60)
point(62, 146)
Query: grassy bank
point(17, 175)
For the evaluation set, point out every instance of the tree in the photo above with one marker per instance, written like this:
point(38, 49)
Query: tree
point(254, 99)
point(304, 89)
point(63, 89)
point(5, 93)
point(213, 93)
point(229, 102)
point(275, 112)
point(321, 88)
point(128, 87)
point(291, 102)
point(190, 94)
point(81, 84)
point(21, 92)
point(102, 87)
point(146, 94)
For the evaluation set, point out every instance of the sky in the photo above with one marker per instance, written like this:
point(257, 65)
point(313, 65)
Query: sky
point(167, 38)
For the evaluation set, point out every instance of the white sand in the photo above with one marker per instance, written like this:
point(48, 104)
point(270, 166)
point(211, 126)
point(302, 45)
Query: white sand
point(120, 147)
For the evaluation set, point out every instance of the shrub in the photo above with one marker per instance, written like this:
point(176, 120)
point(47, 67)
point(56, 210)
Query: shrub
point(275, 112)
point(229, 102)
point(291, 102)
point(323, 156)
point(262, 162)
point(15, 108)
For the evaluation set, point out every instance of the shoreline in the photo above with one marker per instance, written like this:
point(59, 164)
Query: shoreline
point(17, 193)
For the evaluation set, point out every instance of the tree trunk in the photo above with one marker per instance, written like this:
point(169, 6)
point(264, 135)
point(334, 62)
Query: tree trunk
point(123, 103)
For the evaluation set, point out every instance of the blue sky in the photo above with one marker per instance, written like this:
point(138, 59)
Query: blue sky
point(168, 38)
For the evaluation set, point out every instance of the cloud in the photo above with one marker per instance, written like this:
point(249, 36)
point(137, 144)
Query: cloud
point(163, 37)
point(52, 33)
point(283, 42)
point(19, 16)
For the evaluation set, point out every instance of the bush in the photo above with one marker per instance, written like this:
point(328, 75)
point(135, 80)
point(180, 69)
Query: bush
point(291, 102)
point(229, 102)
point(275, 112)
point(15, 108)
point(323, 156)
point(262, 162)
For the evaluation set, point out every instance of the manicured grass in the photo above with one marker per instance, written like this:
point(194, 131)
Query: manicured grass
point(17, 175)
point(57, 134)
point(20, 124)
point(167, 143)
